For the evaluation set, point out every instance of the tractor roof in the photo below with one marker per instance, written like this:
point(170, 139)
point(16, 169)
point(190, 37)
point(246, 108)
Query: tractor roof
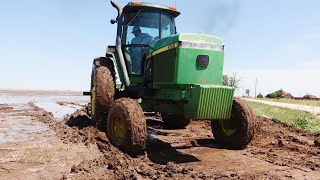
point(136, 6)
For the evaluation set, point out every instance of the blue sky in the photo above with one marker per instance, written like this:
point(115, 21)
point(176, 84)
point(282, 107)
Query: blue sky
point(51, 44)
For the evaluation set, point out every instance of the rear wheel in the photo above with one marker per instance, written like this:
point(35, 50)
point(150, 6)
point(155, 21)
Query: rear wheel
point(102, 91)
point(238, 131)
point(174, 121)
point(126, 126)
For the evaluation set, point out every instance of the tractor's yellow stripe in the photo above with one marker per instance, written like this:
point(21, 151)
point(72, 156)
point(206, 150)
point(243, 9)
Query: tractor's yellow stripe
point(163, 49)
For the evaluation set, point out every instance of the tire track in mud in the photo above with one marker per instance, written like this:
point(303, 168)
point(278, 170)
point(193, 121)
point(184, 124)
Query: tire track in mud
point(274, 142)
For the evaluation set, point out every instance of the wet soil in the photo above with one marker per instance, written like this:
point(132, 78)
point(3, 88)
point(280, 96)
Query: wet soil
point(30, 149)
point(278, 151)
point(75, 149)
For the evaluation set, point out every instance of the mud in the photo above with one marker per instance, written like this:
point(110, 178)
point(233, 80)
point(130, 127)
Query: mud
point(278, 151)
point(284, 145)
point(75, 149)
point(5, 108)
point(30, 149)
point(113, 163)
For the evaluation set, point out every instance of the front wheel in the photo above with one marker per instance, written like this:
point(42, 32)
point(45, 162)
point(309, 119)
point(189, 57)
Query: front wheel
point(238, 131)
point(126, 126)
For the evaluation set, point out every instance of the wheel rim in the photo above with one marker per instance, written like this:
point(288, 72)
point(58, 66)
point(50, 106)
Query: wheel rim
point(118, 128)
point(229, 126)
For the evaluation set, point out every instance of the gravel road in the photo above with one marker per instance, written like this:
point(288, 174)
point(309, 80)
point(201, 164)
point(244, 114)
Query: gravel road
point(311, 109)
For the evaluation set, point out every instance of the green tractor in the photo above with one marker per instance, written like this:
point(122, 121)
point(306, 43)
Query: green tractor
point(153, 69)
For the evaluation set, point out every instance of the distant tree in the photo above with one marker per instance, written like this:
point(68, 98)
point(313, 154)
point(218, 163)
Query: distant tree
point(276, 94)
point(248, 92)
point(260, 95)
point(279, 93)
point(270, 96)
point(307, 96)
point(310, 96)
point(225, 80)
point(232, 80)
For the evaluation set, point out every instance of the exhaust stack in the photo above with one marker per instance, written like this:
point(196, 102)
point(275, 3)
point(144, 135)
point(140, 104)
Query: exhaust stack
point(118, 44)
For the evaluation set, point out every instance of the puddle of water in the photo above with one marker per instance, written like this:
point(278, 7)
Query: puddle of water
point(19, 129)
point(57, 110)
point(46, 101)
point(8, 98)
point(74, 106)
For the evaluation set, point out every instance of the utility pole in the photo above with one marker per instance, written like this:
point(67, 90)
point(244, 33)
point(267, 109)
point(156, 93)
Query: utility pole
point(243, 91)
point(255, 89)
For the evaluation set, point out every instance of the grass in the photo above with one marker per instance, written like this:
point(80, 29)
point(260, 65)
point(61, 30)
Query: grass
point(293, 101)
point(48, 158)
point(300, 119)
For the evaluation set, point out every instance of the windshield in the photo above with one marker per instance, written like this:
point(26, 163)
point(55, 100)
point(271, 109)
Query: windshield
point(149, 23)
point(141, 28)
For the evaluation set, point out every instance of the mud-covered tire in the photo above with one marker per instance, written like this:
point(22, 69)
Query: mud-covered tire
point(102, 91)
point(238, 131)
point(126, 126)
point(174, 121)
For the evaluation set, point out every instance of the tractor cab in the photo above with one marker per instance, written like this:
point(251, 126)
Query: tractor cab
point(143, 24)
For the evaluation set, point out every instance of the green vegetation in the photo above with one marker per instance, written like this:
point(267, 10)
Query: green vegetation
point(293, 101)
point(300, 119)
point(231, 80)
point(48, 158)
point(276, 94)
point(260, 95)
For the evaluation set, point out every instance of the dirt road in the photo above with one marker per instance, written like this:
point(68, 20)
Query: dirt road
point(311, 109)
point(35, 144)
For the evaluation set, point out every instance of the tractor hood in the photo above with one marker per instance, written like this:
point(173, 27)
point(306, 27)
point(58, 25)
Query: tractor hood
point(194, 41)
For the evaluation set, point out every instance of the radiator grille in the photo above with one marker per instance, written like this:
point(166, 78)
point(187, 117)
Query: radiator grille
point(215, 102)
point(165, 67)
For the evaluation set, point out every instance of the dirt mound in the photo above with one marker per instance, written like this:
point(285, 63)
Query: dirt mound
point(116, 165)
point(78, 119)
point(5, 108)
point(285, 145)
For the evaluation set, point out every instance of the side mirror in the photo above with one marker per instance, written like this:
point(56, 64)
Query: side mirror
point(113, 21)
